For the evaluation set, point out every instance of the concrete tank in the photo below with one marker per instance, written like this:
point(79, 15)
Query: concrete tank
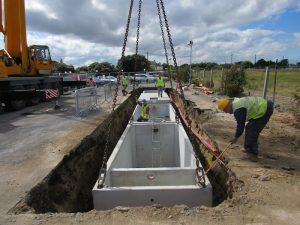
point(153, 163)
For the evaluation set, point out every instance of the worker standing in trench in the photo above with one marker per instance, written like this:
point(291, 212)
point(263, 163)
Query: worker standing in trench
point(160, 84)
point(145, 111)
point(125, 83)
point(254, 110)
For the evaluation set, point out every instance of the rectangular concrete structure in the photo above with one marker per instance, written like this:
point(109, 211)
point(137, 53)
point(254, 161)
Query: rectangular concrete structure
point(152, 95)
point(159, 112)
point(152, 164)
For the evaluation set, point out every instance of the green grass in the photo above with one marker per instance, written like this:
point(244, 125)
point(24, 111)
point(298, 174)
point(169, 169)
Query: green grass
point(288, 82)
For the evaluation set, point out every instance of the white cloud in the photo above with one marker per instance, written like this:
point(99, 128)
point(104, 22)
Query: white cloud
point(83, 31)
point(74, 50)
point(297, 40)
point(38, 6)
point(218, 46)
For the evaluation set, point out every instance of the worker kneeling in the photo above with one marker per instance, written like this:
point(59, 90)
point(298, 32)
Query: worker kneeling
point(254, 110)
point(145, 116)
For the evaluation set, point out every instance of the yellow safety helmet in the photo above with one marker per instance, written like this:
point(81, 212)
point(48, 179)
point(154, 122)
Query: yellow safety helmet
point(223, 103)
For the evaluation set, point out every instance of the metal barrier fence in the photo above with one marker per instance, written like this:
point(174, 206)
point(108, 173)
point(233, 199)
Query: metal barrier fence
point(106, 92)
point(89, 99)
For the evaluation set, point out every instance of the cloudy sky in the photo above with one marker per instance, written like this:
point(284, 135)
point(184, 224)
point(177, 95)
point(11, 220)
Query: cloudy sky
point(84, 31)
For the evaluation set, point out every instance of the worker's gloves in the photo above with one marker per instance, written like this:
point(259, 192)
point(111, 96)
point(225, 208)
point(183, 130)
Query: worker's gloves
point(233, 141)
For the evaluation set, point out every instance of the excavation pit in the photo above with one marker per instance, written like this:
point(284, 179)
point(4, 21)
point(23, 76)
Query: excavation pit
point(68, 187)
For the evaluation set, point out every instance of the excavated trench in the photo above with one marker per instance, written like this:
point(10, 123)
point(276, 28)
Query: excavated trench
point(67, 188)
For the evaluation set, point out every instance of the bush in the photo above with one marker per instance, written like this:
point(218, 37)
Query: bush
point(235, 80)
point(183, 74)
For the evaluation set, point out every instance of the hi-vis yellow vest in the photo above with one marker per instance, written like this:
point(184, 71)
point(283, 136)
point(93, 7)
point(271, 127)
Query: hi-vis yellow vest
point(160, 82)
point(256, 106)
point(144, 113)
point(125, 81)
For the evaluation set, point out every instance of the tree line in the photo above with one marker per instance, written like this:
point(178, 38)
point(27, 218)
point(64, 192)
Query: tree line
point(140, 63)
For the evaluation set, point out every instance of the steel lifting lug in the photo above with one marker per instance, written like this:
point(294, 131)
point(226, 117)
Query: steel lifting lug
point(200, 177)
point(101, 178)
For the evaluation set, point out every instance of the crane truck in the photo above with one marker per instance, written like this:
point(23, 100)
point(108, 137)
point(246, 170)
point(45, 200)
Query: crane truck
point(25, 71)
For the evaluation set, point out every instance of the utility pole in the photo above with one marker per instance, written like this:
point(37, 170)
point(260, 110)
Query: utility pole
point(211, 79)
point(231, 58)
point(191, 56)
point(254, 60)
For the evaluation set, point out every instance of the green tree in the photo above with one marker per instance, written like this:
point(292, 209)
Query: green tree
point(261, 64)
point(235, 80)
point(245, 64)
point(283, 63)
point(63, 68)
point(183, 73)
point(101, 67)
point(129, 63)
point(84, 69)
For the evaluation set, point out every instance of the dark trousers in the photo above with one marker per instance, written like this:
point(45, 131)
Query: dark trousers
point(254, 128)
point(141, 119)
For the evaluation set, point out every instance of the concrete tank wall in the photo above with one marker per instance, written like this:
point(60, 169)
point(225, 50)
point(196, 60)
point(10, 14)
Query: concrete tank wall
point(143, 172)
point(159, 112)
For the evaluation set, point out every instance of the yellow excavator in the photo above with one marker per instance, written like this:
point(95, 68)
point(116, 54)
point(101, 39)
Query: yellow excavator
point(25, 71)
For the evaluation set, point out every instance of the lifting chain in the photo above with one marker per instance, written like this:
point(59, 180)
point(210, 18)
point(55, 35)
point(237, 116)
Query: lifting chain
point(102, 173)
point(175, 62)
point(200, 175)
point(137, 41)
point(164, 40)
point(171, 43)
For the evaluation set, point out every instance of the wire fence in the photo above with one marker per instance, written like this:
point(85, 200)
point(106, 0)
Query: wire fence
point(91, 98)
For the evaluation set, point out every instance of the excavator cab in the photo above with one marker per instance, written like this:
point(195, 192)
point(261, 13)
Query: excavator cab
point(41, 58)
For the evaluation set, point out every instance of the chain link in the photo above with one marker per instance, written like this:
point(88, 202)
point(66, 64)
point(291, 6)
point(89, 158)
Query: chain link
point(200, 175)
point(175, 61)
point(164, 41)
point(137, 41)
point(102, 173)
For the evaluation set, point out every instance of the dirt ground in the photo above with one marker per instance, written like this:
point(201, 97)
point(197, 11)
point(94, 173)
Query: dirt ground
point(268, 191)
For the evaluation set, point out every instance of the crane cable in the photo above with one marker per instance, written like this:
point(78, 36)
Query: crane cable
point(102, 173)
point(137, 42)
point(164, 41)
point(103, 169)
point(199, 169)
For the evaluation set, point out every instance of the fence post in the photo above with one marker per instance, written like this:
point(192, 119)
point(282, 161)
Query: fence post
point(96, 96)
point(275, 82)
point(77, 101)
point(266, 83)
point(105, 92)
point(211, 79)
point(222, 79)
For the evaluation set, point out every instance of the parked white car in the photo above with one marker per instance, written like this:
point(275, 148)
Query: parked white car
point(101, 80)
point(140, 78)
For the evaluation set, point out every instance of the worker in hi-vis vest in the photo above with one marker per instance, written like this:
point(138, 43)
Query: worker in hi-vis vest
point(160, 84)
point(145, 111)
point(125, 83)
point(254, 110)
